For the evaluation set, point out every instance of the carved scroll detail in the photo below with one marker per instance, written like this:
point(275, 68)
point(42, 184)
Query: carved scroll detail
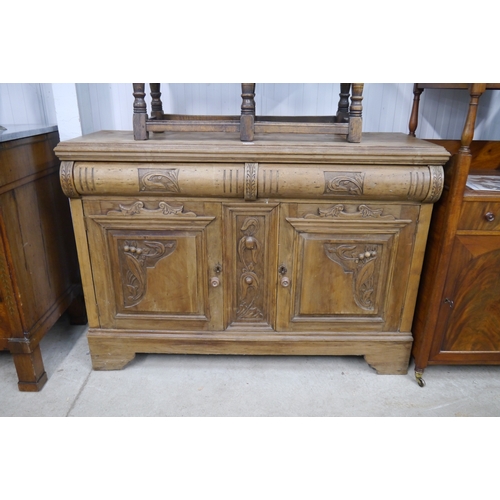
point(249, 249)
point(163, 208)
point(437, 183)
point(66, 176)
point(360, 261)
point(251, 181)
point(159, 180)
point(363, 212)
point(350, 183)
point(136, 257)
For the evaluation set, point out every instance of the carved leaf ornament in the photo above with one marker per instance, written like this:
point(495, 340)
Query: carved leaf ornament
point(248, 253)
point(137, 257)
point(360, 261)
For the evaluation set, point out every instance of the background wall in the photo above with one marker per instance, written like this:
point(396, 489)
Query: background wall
point(83, 108)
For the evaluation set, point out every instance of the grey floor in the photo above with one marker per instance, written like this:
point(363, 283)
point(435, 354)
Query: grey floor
point(247, 386)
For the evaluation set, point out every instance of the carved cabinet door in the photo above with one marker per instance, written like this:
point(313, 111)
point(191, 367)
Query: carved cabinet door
point(156, 264)
point(250, 263)
point(469, 318)
point(344, 267)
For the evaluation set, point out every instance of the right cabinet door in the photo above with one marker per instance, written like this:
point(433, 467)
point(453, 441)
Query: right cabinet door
point(469, 318)
point(344, 267)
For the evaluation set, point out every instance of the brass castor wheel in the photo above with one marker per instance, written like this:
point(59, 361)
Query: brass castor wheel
point(420, 380)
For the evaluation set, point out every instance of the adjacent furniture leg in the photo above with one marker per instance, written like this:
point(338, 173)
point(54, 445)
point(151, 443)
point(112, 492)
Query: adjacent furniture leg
point(30, 370)
point(414, 109)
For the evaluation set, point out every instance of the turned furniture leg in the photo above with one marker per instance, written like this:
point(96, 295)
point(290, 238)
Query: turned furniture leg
point(156, 104)
point(343, 106)
point(140, 113)
point(414, 109)
point(247, 119)
point(355, 113)
point(30, 370)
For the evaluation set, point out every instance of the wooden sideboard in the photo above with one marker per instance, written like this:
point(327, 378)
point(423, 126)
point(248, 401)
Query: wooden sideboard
point(291, 244)
point(38, 261)
point(457, 318)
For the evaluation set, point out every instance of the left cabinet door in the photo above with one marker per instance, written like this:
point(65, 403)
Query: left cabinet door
point(156, 263)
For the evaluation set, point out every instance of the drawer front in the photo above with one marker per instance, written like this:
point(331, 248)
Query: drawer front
point(480, 215)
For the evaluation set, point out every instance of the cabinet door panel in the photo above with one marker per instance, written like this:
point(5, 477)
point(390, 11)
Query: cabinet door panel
point(250, 265)
point(469, 317)
point(341, 261)
point(155, 271)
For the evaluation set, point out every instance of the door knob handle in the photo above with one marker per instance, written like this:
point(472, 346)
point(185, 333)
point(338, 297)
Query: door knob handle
point(285, 281)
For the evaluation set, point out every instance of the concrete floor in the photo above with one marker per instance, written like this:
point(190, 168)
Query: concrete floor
point(248, 386)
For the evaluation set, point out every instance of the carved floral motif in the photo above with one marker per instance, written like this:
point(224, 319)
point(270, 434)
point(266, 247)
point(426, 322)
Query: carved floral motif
point(359, 260)
point(163, 208)
point(136, 257)
point(350, 183)
point(338, 211)
point(159, 180)
point(249, 249)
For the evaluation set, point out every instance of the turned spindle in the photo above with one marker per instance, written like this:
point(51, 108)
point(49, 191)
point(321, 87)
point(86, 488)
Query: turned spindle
point(355, 113)
point(247, 119)
point(140, 113)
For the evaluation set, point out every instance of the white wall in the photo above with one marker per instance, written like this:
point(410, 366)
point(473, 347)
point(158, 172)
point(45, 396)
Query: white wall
point(27, 104)
point(386, 106)
point(87, 107)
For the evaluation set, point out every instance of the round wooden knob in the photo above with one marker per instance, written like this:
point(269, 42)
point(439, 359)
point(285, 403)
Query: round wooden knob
point(214, 281)
point(489, 216)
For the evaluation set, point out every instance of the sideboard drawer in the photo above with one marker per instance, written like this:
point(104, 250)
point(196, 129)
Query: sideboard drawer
point(480, 215)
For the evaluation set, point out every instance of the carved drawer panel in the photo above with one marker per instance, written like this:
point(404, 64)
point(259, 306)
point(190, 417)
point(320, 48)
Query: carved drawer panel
point(387, 182)
point(480, 215)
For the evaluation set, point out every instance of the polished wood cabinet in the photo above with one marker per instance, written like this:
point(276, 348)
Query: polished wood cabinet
point(198, 243)
point(38, 262)
point(457, 318)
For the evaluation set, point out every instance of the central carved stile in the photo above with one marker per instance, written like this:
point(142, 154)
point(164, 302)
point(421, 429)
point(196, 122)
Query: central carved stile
point(249, 255)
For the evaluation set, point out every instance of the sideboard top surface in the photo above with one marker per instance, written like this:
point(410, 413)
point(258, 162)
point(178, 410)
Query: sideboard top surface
point(375, 148)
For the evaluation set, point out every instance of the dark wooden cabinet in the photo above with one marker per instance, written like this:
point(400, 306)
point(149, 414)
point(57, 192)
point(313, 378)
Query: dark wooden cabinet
point(457, 318)
point(199, 243)
point(38, 263)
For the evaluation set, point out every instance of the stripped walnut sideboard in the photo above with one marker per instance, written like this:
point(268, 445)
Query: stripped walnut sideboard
point(291, 245)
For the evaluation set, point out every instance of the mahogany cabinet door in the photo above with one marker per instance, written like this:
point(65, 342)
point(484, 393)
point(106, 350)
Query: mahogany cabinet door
point(345, 267)
point(156, 264)
point(468, 326)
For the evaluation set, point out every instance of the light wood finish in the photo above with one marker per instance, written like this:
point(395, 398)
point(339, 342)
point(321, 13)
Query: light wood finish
point(38, 267)
point(346, 122)
point(457, 319)
point(199, 243)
